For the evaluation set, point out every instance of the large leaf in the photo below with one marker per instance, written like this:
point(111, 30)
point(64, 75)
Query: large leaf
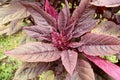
point(51, 10)
point(110, 68)
point(79, 10)
point(99, 45)
point(12, 11)
point(69, 60)
point(39, 32)
point(40, 16)
point(30, 70)
point(107, 28)
point(106, 3)
point(83, 72)
point(85, 24)
point(35, 52)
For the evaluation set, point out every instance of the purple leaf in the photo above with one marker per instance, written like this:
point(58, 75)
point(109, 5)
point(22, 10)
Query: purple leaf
point(79, 10)
point(100, 45)
point(117, 17)
point(12, 12)
point(107, 28)
point(63, 17)
point(39, 32)
point(85, 24)
point(75, 44)
point(35, 52)
point(106, 3)
point(69, 60)
point(83, 72)
point(30, 70)
point(14, 27)
point(110, 68)
point(49, 9)
point(39, 15)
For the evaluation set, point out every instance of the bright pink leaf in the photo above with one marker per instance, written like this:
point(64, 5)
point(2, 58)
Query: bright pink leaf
point(106, 3)
point(50, 10)
point(99, 45)
point(110, 68)
point(35, 52)
point(69, 60)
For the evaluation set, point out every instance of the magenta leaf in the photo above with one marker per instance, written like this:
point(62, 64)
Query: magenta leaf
point(110, 68)
point(69, 60)
point(39, 32)
point(106, 3)
point(39, 15)
point(83, 71)
point(35, 52)
point(85, 24)
point(80, 9)
point(49, 9)
point(100, 45)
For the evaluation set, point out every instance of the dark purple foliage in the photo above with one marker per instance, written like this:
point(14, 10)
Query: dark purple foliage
point(68, 37)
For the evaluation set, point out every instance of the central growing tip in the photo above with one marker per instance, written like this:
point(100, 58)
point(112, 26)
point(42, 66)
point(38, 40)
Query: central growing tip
point(59, 40)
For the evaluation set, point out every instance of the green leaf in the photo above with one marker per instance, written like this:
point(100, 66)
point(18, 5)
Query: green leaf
point(49, 75)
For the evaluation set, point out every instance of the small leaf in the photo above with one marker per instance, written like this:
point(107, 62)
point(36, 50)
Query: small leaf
point(69, 60)
point(100, 45)
point(12, 11)
point(83, 71)
point(49, 9)
point(35, 52)
point(106, 3)
point(111, 69)
point(75, 44)
point(30, 70)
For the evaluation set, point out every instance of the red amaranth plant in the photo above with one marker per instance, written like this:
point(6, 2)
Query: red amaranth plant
point(68, 38)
